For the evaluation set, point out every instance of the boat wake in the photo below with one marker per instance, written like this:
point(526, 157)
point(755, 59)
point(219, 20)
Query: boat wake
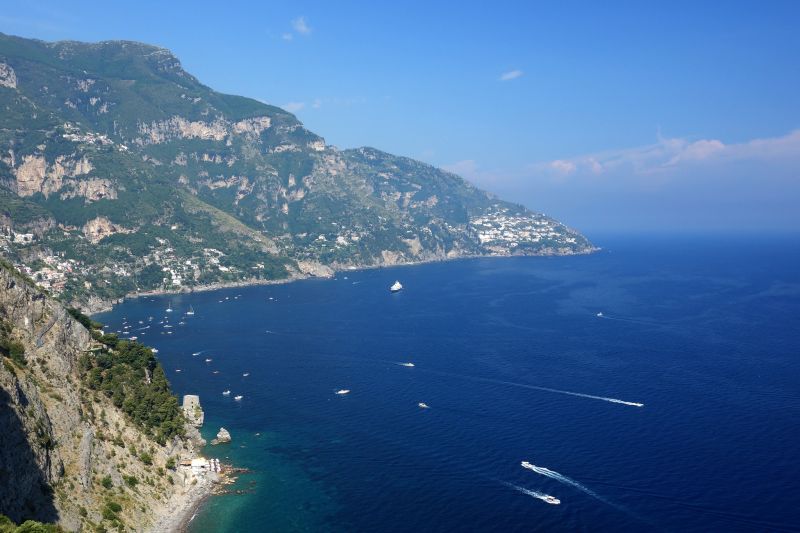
point(562, 479)
point(546, 389)
point(572, 483)
point(552, 500)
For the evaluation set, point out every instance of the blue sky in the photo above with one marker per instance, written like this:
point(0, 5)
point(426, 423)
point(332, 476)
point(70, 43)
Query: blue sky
point(609, 115)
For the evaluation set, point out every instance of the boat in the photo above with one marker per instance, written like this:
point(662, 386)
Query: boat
point(343, 391)
point(208, 359)
point(154, 350)
point(245, 374)
point(550, 499)
point(133, 338)
point(424, 405)
point(197, 353)
point(177, 370)
point(215, 372)
point(396, 287)
point(190, 311)
point(237, 398)
point(600, 314)
point(407, 364)
point(226, 393)
point(169, 308)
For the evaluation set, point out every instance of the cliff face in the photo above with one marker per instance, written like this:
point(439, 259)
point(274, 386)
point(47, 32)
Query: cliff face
point(67, 453)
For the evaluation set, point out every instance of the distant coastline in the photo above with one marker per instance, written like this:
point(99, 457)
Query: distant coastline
point(102, 306)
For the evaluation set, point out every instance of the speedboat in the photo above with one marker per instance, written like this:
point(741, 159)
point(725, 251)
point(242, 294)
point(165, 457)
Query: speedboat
point(226, 393)
point(343, 391)
point(208, 359)
point(396, 287)
point(424, 405)
point(407, 364)
point(245, 374)
point(238, 398)
point(550, 499)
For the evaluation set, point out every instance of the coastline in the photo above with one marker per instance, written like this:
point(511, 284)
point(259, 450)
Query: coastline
point(333, 270)
point(179, 510)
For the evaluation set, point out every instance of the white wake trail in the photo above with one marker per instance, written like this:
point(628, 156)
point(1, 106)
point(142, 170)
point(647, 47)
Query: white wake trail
point(552, 500)
point(562, 479)
point(546, 389)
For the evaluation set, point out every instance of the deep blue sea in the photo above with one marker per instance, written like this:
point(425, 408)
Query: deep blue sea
point(515, 365)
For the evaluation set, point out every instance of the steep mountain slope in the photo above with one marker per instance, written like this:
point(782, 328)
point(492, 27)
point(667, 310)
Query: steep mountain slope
point(69, 451)
point(119, 171)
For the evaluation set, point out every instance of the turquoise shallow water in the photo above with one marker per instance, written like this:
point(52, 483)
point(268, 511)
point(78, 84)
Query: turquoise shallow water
point(703, 332)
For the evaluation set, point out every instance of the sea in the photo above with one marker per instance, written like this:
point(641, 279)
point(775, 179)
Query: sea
point(651, 386)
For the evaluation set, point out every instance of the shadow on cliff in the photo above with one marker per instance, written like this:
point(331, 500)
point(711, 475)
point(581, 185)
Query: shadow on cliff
point(24, 491)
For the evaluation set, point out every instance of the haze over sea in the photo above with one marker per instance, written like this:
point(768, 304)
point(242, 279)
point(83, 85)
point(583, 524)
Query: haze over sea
point(702, 331)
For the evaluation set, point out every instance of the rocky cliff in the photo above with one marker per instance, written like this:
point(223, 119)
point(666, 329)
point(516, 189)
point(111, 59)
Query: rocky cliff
point(67, 454)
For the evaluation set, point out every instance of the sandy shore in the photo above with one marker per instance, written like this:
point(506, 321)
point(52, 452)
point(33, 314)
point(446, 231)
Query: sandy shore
point(178, 511)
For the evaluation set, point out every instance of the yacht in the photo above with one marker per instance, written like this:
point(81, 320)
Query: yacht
point(550, 499)
point(238, 398)
point(208, 359)
point(154, 350)
point(396, 287)
point(600, 314)
point(226, 393)
point(190, 312)
point(424, 405)
point(410, 365)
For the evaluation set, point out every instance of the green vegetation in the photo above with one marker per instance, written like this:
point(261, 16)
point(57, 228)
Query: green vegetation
point(129, 374)
point(9, 347)
point(29, 526)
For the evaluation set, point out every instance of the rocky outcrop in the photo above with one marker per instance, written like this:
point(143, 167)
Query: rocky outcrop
point(180, 128)
point(223, 436)
point(35, 175)
point(99, 228)
point(8, 78)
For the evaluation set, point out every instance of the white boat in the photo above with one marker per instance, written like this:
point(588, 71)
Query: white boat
point(237, 398)
point(396, 287)
point(600, 314)
point(197, 353)
point(208, 359)
point(424, 405)
point(343, 391)
point(550, 499)
point(190, 311)
point(154, 350)
point(134, 338)
point(245, 374)
point(169, 308)
point(226, 393)
point(407, 364)
point(177, 370)
point(215, 372)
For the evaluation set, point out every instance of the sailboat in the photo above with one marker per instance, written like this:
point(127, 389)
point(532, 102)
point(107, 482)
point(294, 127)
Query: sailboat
point(169, 307)
point(396, 287)
point(190, 312)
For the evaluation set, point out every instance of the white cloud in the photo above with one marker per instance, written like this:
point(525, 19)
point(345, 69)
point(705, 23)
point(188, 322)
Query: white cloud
point(317, 103)
point(671, 155)
point(293, 107)
point(301, 26)
point(563, 167)
point(510, 75)
point(287, 36)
